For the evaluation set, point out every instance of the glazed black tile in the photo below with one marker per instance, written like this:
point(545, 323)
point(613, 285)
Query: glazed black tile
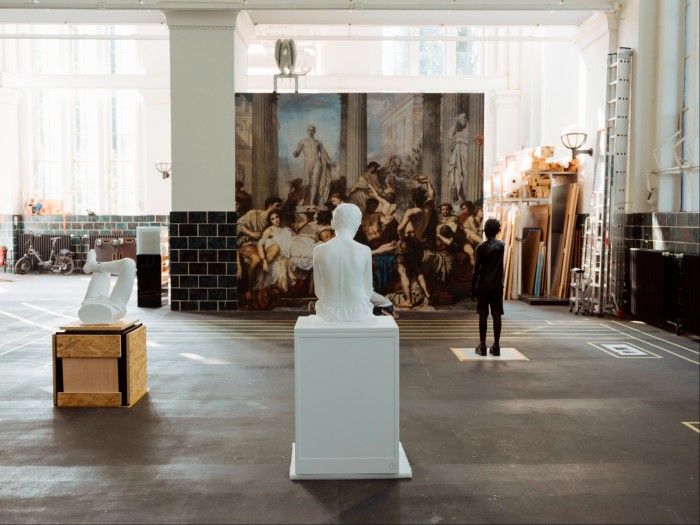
point(217, 217)
point(207, 230)
point(227, 255)
point(228, 230)
point(216, 243)
point(196, 243)
point(197, 217)
point(178, 217)
point(216, 294)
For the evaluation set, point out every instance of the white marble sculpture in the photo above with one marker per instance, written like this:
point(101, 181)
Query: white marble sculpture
point(343, 272)
point(100, 306)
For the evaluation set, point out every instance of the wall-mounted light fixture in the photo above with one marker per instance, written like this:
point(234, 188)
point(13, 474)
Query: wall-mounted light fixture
point(164, 168)
point(573, 137)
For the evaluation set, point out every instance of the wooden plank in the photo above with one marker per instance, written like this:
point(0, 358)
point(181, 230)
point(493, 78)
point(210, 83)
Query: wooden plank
point(112, 327)
point(529, 259)
point(90, 374)
point(74, 345)
point(569, 233)
point(103, 399)
point(136, 364)
point(54, 362)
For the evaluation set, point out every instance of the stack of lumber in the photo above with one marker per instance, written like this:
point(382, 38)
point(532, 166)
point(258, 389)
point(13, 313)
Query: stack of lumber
point(542, 159)
point(508, 217)
point(561, 286)
point(538, 186)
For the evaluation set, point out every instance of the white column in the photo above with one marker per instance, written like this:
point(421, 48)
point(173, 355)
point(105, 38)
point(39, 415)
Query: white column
point(157, 191)
point(10, 196)
point(203, 109)
point(643, 99)
point(507, 116)
point(670, 63)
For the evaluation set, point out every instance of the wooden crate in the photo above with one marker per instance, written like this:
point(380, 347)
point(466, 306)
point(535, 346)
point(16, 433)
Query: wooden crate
point(99, 365)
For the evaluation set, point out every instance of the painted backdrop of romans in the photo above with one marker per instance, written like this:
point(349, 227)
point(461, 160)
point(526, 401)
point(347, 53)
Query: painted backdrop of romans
point(414, 128)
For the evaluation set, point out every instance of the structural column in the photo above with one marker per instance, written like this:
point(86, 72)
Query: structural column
point(202, 223)
point(507, 116)
point(11, 202)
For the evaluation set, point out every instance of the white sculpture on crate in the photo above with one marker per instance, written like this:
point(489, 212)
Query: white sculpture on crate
point(99, 305)
point(342, 270)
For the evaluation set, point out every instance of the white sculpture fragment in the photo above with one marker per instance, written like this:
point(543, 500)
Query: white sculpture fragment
point(100, 306)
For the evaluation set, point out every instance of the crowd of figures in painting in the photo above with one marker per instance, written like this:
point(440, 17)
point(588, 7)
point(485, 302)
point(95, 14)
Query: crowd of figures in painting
point(412, 163)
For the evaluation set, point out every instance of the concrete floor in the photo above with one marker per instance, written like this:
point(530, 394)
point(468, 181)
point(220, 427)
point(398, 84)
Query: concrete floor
point(572, 435)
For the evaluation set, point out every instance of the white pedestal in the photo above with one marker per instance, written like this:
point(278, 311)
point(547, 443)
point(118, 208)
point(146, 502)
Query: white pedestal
point(347, 401)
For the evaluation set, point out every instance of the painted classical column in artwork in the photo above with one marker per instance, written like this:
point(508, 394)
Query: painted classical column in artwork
point(431, 139)
point(356, 136)
point(265, 148)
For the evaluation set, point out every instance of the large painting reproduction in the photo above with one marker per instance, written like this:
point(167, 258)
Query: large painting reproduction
point(412, 163)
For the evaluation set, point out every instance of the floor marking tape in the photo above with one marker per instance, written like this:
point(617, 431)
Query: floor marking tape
point(22, 346)
point(657, 346)
point(648, 354)
point(695, 425)
point(664, 340)
point(49, 328)
point(72, 318)
point(18, 338)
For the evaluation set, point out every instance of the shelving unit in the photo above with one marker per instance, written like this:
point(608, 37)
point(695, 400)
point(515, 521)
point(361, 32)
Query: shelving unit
point(497, 204)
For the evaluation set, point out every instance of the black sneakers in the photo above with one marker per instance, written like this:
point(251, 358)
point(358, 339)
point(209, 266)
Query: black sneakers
point(495, 351)
point(481, 350)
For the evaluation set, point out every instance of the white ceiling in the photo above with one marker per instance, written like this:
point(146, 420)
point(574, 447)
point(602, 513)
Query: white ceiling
point(315, 12)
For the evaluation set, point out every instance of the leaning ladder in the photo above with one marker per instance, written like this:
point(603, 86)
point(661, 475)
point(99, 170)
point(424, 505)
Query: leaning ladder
point(614, 198)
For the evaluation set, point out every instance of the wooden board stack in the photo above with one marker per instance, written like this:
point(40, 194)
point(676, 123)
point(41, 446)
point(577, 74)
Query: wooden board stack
point(562, 286)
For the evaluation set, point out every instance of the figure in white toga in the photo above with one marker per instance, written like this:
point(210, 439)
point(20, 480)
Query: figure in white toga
point(100, 306)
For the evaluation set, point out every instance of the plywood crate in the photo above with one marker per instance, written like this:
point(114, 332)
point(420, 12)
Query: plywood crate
point(99, 365)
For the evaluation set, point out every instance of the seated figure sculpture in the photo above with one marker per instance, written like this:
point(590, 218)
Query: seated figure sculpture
point(100, 306)
point(343, 271)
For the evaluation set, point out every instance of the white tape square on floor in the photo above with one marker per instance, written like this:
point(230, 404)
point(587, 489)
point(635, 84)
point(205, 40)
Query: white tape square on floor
point(507, 354)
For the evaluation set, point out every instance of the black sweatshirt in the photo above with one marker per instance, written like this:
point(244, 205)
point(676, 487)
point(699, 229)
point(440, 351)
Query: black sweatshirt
point(488, 267)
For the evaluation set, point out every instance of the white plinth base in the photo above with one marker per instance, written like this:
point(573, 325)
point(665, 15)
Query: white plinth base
point(347, 400)
point(404, 472)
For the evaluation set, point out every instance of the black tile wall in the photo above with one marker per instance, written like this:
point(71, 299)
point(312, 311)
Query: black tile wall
point(80, 227)
point(203, 261)
point(672, 232)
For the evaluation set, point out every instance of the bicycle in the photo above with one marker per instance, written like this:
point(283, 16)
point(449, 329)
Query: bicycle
point(58, 262)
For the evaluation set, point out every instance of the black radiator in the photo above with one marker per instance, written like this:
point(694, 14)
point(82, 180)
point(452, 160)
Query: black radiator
point(690, 293)
point(647, 282)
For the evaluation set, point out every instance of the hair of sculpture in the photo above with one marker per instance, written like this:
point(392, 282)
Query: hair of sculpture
point(347, 216)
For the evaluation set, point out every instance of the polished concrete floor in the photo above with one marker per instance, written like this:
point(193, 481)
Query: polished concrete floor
point(575, 434)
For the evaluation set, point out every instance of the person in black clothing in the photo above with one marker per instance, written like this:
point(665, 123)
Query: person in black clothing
point(487, 285)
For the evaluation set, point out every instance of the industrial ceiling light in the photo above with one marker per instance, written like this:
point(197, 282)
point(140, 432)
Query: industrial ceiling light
point(573, 137)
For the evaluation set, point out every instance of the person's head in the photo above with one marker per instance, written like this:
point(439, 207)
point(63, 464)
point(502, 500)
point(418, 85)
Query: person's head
point(311, 129)
point(273, 218)
point(491, 228)
point(346, 217)
point(445, 209)
point(273, 203)
point(462, 119)
point(336, 199)
point(371, 205)
point(446, 231)
point(373, 166)
point(419, 196)
point(324, 217)
point(239, 184)
point(467, 206)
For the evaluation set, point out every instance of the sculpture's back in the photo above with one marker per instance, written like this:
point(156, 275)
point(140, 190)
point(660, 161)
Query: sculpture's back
point(343, 271)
